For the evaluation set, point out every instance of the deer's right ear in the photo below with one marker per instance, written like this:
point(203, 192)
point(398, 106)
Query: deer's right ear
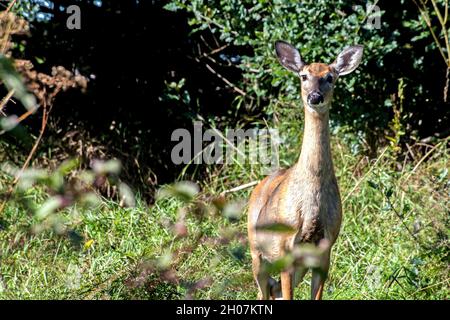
point(288, 56)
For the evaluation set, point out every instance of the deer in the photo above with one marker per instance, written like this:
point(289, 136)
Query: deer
point(306, 196)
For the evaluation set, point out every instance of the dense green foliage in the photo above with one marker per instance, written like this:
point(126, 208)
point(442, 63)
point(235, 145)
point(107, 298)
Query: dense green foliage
point(397, 55)
point(156, 66)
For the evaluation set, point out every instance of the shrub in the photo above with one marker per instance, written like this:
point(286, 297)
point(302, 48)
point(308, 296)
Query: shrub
point(320, 29)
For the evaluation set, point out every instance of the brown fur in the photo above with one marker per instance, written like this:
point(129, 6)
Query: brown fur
point(318, 69)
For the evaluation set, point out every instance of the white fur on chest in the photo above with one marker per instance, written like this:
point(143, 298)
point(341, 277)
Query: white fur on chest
point(313, 207)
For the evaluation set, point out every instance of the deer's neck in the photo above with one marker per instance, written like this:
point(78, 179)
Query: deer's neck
point(315, 162)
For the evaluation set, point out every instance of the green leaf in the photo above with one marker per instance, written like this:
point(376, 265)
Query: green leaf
point(126, 195)
point(13, 81)
point(237, 252)
point(31, 176)
point(172, 6)
point(90, 199)
point(67, 166)
point(104, 167)
point(165, 260)
point(184, 190)
point(279, 265)
point(9, 123)
point(443, 174)
point(373, 184)
point(49, 207)
point(233, 211)
point(275, 227)
point(309, 255)
point(389, 192)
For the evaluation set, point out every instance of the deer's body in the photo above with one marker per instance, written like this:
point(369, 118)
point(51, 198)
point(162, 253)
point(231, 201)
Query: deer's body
point(305, 196)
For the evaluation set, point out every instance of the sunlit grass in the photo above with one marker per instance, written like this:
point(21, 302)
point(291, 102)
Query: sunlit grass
point(393, 242)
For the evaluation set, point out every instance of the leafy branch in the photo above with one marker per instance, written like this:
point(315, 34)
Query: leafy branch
point(445, 53)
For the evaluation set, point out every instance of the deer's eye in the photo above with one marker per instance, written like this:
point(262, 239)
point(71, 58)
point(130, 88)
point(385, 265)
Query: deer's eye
point(304, 77)
point(329, 78)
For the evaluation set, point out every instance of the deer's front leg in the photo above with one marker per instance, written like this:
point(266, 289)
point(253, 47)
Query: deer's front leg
point(319, 277)
point(286, 285)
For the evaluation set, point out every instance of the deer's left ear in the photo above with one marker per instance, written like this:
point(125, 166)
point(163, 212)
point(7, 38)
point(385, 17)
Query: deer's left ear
point(288, 56)
point(348, 60)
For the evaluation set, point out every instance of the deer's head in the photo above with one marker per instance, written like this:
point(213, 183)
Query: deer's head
point(318, 79)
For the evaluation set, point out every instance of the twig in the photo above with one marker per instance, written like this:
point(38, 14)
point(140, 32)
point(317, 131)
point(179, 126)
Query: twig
point(6, 99)
point(443, 27)
point(228, 82)
point(430, 286)
point(424, 13)
point(411, 152)
point(447, 45)
point(7, 34)
point(447, 83)
point(215, 23)
point(446, 12)
point(424, 143)
point(400, 216)
point(45, 114)
point(216, 50)
point(422, 160)
point(36, 143)
point(11, 4)
point(241, 187)
point(26, 114)
point(228, 141)
point(99, 287)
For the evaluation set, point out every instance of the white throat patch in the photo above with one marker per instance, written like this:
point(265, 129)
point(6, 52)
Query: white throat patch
point(320, 108)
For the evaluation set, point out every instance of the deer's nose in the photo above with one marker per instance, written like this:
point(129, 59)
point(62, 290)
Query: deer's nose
point(315, 97)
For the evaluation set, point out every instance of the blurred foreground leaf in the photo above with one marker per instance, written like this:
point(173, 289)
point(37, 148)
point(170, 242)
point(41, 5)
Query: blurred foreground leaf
point(233, 210)
point(103, 167)
point(49, 206)
point(126, 195)
point(275, 227)
point(184, 190)
point(13, 81)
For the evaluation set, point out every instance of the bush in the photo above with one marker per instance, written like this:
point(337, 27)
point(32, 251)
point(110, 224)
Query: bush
point(366, 100)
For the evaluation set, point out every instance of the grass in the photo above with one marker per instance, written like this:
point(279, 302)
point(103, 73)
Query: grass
point(393, 243)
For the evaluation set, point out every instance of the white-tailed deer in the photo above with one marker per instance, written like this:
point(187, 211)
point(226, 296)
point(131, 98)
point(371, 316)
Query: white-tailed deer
point(305, 196)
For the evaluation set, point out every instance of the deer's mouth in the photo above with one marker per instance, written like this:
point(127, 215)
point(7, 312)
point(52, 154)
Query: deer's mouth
point(319, 107)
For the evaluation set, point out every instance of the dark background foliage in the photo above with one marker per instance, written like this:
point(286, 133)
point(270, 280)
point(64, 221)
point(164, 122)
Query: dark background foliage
point(156, 65)
point(135, 55)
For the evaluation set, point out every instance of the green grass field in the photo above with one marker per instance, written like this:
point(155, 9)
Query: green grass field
point(216, 62)
point(393, 243)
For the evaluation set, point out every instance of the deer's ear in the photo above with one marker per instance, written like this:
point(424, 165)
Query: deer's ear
point(288, 56)
point(348, 60)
